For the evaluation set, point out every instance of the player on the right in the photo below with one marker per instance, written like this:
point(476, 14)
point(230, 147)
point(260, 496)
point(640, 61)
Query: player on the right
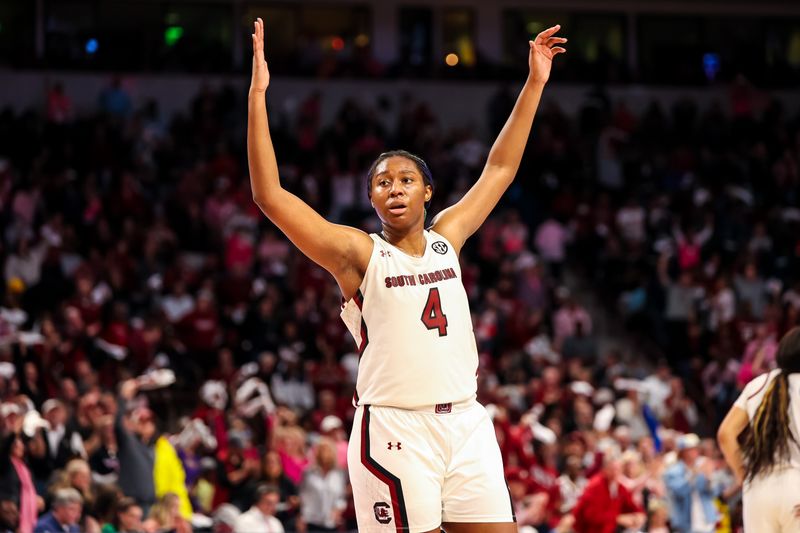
point(768, 462)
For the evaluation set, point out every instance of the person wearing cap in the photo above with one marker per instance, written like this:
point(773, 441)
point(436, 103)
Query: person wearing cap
point(690, 491)
point(63, 444)
point(331, 426)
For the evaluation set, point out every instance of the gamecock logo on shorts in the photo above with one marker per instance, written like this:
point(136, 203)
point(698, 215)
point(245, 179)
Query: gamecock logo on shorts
point(382, 512)
point(439, 247)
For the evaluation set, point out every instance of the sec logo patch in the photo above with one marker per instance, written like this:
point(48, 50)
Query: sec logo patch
point(439, 247)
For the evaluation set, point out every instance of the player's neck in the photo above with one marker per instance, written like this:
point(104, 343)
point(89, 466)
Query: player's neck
point(411, 242)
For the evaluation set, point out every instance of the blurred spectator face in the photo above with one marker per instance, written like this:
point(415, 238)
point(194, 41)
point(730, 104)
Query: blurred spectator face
point(49, 328)
point(144, 423)
point(31, 372)
point(85, 373)
point(549, 453)
point(690, 455)
point(204, 302)
point(69, 391)
point(89, 406)
point(74, 321)
point(622, 435)
point(80, 476)
point(659, 517)
point(612, 467)
point(267, 362)
point(663, 372)
point(584, 412)
point(18, 447)
point(173, 505)
point(68, 513)
point(573, 466)
point(107, 430)
point(272, 465)
point(646, 448)
point(551, 376)
point(326, 454)
point(131, 519)
point(268, 503)
point(56, 415)
point(84, 286)
point(632, 465)
point(327, 401)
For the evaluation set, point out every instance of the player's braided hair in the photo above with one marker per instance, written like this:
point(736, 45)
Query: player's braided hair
point(767, 442)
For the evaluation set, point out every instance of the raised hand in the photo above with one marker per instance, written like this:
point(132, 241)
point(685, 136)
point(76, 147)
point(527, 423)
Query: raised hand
point(260, 79)
point(543, 50)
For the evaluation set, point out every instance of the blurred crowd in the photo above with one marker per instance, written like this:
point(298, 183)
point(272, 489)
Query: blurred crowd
point(170, 362)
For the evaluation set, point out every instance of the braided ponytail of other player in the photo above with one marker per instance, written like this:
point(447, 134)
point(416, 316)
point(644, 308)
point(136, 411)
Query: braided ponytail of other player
point(767, 443)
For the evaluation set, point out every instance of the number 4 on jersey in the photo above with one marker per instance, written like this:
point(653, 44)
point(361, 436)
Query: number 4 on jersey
point(432, 315)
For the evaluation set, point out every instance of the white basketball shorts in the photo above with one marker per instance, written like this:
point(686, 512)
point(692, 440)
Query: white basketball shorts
point(413, 470)
point(768, 504)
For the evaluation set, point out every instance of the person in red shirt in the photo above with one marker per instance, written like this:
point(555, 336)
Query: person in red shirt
point(605, 504)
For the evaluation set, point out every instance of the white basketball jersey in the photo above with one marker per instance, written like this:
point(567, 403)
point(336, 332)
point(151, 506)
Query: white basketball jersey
point(411, 322)
point(750, 400)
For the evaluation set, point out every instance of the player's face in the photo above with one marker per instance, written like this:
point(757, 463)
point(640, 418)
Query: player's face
point(399, 192)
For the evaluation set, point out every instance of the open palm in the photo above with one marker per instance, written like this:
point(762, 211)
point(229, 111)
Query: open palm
point(543, 50)
point(260, 79)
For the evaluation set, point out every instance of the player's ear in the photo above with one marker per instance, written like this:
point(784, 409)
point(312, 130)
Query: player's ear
point(428, 193)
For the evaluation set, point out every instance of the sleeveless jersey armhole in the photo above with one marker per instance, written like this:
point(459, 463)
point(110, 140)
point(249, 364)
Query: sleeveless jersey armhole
point(361, 286)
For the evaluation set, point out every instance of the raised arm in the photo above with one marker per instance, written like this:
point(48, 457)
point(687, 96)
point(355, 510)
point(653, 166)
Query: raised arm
point(341, 250)
point(461, 220)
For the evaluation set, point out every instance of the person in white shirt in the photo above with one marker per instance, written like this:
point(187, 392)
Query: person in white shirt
point(323, 489)
point(768, 463)
point(260, 518)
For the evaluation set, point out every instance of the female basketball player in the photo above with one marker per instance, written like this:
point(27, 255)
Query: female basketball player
point(768, 463)
point(422, 452)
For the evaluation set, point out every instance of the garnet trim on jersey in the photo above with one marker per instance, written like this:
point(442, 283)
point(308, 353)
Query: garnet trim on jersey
point(766, 380)
point(395, 487)
point(359, 300)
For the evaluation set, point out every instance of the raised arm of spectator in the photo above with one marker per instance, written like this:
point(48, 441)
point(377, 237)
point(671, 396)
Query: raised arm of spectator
point(728, 438)
point(461, 220)
point(127, 391)
point(341, 250)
